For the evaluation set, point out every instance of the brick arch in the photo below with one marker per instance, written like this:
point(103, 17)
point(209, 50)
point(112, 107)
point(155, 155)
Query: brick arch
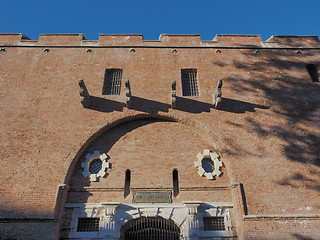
point(95, 133)
point(195, 125)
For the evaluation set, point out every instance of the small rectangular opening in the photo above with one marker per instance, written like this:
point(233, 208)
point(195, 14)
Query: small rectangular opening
point(127, 183)
point(189, 82)
point(213, 224)
point(88, 225)
point(313, 72)
point(112, 82)
point(175, 180)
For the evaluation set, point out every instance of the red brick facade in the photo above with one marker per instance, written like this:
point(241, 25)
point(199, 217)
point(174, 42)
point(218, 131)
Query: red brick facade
point(266, 129)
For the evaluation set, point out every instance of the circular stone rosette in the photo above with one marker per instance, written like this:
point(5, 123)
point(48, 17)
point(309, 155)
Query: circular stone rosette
point(95, 165)
point(208, 164)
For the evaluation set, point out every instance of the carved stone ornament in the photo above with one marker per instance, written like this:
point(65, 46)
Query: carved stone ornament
point(208, 164)
point(95, 165)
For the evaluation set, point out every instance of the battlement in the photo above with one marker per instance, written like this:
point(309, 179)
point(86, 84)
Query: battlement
point(61, 39)
point(296, 41)
point(165, 40)
point(237, 40)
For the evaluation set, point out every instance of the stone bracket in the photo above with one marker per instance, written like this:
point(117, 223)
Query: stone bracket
point(173, 93)
point(128, 93)
point(217, 95)
point(84, 94)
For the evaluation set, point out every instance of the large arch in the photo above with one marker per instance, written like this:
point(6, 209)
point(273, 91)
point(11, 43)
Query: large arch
point(208, 134)
point(192, 125)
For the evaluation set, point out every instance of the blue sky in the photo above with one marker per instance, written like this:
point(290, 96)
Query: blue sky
point(151, 18)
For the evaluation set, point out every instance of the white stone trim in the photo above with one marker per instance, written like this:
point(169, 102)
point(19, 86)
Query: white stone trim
point(187, 215)
point(216, 162)
point(89, 158)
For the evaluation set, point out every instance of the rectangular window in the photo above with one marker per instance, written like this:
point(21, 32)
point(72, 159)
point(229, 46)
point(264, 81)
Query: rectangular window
point(213, 224)
point(175, 182)
point(313, 72)
point(112, 82)
point(127, 183)
point(88, 225)
point(189, 82)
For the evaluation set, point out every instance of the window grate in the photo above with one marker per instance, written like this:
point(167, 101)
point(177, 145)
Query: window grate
point(189, 82)
point(95, 166)
point(153, 228)
point(213, 224)
point(88, 225)
point(112, 82)
point(208, 165)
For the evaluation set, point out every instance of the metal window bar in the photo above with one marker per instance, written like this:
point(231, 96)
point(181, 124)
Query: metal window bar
point(155, 228)
point(112, 82)
point(208, 165)
point(214, 224)
point(95, 166)
point(88, 225)
point(189, 82)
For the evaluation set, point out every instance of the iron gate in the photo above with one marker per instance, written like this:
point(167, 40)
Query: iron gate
point(150, 228)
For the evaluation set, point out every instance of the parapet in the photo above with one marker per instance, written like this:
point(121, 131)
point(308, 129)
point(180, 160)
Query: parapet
point(238, 40)
point(165, 40)
point(12, 38)
point(294, 41)
point(107, 39)
point(180, 38)
point(61, 39)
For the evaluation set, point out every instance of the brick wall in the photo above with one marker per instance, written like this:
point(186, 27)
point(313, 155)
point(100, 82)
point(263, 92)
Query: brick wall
point(266, 131)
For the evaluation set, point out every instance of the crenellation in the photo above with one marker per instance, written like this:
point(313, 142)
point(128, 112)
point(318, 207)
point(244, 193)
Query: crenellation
point(120, 39)
point(294, 41)
point(61, 39)
point(237, 40)
point(165, 40)
point(12, 38)
point(180, 38)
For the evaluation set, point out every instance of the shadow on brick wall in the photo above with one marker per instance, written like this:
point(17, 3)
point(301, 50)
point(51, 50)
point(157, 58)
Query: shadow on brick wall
point(301, 237)
point(282, 79)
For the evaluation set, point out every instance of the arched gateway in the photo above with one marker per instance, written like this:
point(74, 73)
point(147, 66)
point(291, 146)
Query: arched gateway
point(145, 228)
point(148, 179)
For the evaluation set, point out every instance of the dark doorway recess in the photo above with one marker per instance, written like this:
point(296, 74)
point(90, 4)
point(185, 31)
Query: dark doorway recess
point(147, 228)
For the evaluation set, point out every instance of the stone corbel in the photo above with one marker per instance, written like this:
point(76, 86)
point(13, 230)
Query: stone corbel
point(173, 93)
point(217, 95)
point(84, 94)
point(192, 207)
point(128, 93)
point(110, 208)
point(109, 217)
point(193, 219)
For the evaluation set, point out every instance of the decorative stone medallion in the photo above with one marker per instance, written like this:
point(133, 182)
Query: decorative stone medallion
point(208, 164)
point(95, 165)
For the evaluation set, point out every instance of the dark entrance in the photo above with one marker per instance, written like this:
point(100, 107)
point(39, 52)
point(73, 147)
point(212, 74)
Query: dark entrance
point(150, 228)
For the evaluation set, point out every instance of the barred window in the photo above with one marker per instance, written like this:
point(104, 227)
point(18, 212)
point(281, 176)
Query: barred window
point(213, 224)
point(112, 82)
point(189, 82)
point(95, 166)
point(208, 165)
point(88, 225)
